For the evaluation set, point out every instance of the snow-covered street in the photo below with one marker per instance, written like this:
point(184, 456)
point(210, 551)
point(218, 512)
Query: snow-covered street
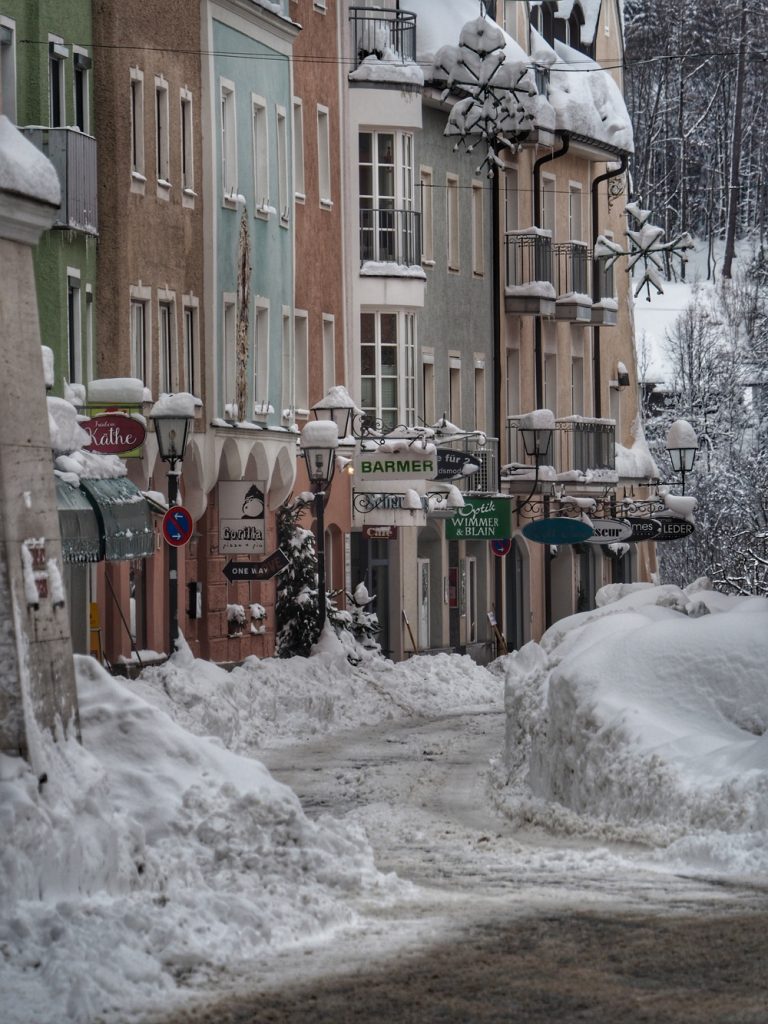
point(239, 836)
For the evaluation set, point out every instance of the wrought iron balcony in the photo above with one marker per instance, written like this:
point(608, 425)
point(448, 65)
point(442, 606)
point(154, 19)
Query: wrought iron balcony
point(390, 236)
point(604, 307)
point(486, 479)
point(583, 450)
point(530, 284)
point(382, 34)
point(573, 295)
point(73, 154)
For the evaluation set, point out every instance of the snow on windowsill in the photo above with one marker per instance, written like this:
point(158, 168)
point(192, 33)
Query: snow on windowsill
point(374, 268)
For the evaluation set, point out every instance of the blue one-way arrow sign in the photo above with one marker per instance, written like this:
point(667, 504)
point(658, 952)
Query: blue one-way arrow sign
point(265, 569)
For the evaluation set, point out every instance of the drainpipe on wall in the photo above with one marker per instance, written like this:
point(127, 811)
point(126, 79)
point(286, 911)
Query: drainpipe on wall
point(597, 404)
point(498, 574)
point(537, 343)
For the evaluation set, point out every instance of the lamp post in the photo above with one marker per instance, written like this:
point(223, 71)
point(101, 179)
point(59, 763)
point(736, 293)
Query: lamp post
point(682, 446)
point(338, 407)
point(172, 431)
point(319, 441)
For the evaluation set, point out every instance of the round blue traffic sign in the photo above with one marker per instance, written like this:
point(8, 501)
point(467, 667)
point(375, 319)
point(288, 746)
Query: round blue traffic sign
point(501, 547)
point(177, 526)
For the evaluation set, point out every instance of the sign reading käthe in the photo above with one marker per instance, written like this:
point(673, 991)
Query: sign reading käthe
point(242, 523)
point(113, 433)
point(413, 464)
point(481, 519)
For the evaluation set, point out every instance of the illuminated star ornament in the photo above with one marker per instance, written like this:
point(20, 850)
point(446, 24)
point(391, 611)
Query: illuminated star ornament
point(496, 108)
point(646, 245)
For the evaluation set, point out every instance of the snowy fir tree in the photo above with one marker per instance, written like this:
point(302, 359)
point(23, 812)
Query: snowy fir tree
point(296, 604)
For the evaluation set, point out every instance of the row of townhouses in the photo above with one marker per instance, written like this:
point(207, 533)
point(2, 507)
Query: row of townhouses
point(261, 207)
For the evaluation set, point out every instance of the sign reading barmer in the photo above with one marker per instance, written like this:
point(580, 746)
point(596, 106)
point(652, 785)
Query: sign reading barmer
point(242, 522)
point(410, 465)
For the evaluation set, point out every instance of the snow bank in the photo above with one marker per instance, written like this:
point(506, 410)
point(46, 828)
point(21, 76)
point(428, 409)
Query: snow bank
point(150, 860)
point(646, 719)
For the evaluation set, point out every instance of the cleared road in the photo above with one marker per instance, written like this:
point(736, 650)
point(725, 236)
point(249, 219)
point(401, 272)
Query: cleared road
point(498, 924)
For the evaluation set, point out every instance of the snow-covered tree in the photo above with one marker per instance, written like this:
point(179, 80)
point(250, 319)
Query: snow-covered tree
point(296, 604)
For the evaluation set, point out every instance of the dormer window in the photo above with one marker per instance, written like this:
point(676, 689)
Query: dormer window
point(549, 22)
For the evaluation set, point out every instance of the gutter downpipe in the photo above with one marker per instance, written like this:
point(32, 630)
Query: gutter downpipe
point(597, 402)
point(498, 575)
point(538, 353)
point(537, 344)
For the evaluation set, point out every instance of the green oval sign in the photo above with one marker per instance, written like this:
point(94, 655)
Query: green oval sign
point(558, 530)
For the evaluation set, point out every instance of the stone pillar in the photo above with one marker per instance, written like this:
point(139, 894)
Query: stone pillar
point(37, 682)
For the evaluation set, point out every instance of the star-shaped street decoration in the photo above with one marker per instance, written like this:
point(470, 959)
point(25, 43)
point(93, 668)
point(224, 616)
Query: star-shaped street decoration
point(646, 245)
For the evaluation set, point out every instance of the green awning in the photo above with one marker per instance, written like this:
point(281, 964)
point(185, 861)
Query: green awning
point(80, 534)
point(124, 518)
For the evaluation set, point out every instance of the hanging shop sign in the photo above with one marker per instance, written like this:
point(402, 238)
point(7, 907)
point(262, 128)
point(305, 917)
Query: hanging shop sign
point(643, 528)
point(242, 523)
point(452, 464)
point(557, 530)
point(501, 548)
point(264, 569)
point(481, 519)
point(412, 464)
point(674, 529)
point(609, 531)
point(388, 508)
point(114, 433)
point(387, 532)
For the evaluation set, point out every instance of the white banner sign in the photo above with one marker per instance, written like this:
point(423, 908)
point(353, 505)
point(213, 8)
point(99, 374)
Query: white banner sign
point(242, 521)
point(409, 465)
point(388, 508)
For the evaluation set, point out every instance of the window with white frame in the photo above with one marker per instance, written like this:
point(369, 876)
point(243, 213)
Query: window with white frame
point(550, 382)
point(385, 183)
point(228, 140)
point(260, 135)
point(191, 382)
point(140, 334)
point(298, 149)
point(614, 411)
point(480, 406)
point(137, 124)
point(427, 217)
point(260, 360)
point(301, 359)
point(283, 195)
point(428, 388)
point(74, 326)
point(513, 381)
point(229, 357)
point(324, 156)
point(187, 143)
point(577, 386)
point(58, 54)
point(478, 229)
point(166, 328)
point(8, 68)
point(329, 352)
point(511, 200)
point(452, 220)
point(575, 227)
point(81, 74)
point(162, 144)
point(288, 401)
point(409, 370)
point(454, 390)
point(380, 367)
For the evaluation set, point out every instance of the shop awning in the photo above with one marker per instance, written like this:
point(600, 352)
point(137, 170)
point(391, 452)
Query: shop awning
point(124, 518)
point(80, 534)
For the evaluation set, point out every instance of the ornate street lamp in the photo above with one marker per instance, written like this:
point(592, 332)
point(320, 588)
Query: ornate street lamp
point(682, 447)
point(319, 441)
point(338, 407)
point(172, 420)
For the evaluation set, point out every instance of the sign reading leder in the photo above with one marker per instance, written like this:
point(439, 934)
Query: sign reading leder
point(481, 519)
point(408, 465)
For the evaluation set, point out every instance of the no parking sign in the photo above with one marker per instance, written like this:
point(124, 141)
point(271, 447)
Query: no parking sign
point(177, 526)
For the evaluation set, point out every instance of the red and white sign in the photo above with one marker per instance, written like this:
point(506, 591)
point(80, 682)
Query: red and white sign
point(113, 433)
point(177, 526)
point(379, 533)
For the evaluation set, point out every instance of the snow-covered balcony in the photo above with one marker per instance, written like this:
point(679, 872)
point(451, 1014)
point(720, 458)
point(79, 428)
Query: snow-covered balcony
point(605, 307)
point(73, 154)
point(582, 451)
point(574, 302)
point(390, 236)
point(383, 35)
point(529, 286)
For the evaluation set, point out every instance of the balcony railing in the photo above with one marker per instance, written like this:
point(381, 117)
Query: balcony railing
point(390, 236)
point(486, 479)
point(573, 296)
point(579, 444)
point(605, 307)
point(530, 286)
point(383, 34)
point(73, 154)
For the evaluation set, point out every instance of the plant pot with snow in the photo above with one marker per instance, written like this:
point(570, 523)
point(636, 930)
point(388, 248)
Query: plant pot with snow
point(258, 619)
point(235, 620)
